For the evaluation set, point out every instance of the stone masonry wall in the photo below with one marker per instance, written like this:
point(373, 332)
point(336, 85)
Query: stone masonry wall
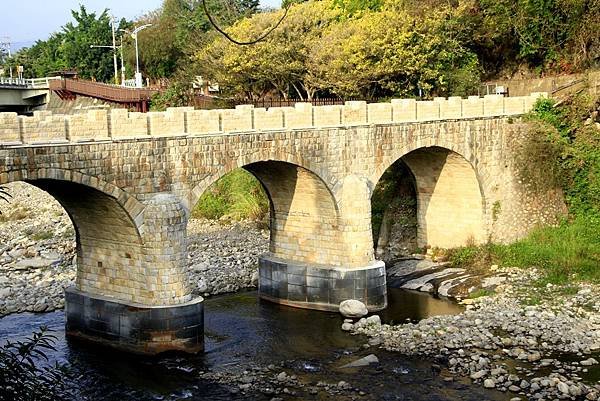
point(321, 198)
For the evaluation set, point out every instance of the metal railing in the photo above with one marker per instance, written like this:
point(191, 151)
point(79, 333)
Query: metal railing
point(35, 83)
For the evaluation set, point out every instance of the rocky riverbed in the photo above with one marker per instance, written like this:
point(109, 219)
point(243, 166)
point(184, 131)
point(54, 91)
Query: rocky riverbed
point(537, 342)
point(37, 253)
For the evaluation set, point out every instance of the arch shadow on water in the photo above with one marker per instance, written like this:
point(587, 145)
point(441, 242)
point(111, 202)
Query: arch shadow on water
point(243, 331)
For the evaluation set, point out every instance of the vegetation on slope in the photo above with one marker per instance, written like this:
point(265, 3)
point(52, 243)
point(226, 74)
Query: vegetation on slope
point(237, 195)
point(571, 251)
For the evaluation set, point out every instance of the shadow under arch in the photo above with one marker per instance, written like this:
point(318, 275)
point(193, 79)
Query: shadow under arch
point(256, 157)
point(133, 207)
point(449, 192)
point(303, 210)
point(107, 238)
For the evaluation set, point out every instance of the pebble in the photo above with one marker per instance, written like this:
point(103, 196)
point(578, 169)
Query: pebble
point(484, 341)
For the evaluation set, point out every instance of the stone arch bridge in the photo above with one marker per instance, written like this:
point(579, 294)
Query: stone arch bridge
point(128, 181)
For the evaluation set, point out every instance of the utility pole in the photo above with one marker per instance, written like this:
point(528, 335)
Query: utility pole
point(112, 17)
point(122, 64)
point(5, 45)
point(114, 49)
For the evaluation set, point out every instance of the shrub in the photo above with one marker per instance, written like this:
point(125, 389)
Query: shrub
point(238, 195)
point(25, 374)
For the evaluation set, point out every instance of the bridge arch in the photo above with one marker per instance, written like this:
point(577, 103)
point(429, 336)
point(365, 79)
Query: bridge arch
point(449, 194)
point(129, 203)
point(250, 158)
point(107, 239)
point(304, 214)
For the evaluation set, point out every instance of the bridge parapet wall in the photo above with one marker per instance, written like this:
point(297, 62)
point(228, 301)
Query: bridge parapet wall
point(92, 125)
point(98, 125)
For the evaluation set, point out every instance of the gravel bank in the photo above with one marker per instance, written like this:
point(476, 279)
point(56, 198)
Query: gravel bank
point(37, 253)
point(538, 343)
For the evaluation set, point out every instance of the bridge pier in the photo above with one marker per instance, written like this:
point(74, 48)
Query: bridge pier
point(321, 250)
point(135, 296)
point(321, 287)
point(133, 327)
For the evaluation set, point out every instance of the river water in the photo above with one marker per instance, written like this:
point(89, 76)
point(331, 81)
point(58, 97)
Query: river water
point(242, 333)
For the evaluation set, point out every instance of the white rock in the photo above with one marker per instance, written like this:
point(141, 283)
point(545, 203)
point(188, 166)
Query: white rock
point(489, 383)
point(374, 320)
point(563, 388)
point(589, 362)
point(202, 286)
point(366, 361)
point(479, 374)
point(34, 263)
point(353, 308)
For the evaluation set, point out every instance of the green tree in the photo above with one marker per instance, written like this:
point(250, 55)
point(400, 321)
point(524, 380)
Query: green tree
point(279, 63)
point(88, 29)
point(395, 52)
point(70, 48)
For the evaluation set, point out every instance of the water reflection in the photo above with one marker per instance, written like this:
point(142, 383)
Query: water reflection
point(240, 331)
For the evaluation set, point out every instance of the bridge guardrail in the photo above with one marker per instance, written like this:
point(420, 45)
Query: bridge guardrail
point(97, 125)
point(34, 83)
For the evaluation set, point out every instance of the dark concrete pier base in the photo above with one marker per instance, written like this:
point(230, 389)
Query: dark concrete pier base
point(321, 288)
point(135, 328)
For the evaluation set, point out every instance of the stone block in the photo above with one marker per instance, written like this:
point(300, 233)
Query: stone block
point(167, 123)
point(238, 119)
point(354, 113)
point(404, 110)
point(493, 105)
point(201, 122)
point(514, 105)
point(379, 113)
point(268, 119)
point(10, 131)
point(89, 126)
point(299, 116)
point(428, 110)
point(472, 107)
point(450, 108)
point(124, 124)
point(327, 116)
point(43, 126)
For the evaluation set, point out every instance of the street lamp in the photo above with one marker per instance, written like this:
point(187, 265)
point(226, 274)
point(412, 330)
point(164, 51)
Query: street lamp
point(134, 34)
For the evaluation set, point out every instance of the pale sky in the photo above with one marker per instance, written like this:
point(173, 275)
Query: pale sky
point(25, 21)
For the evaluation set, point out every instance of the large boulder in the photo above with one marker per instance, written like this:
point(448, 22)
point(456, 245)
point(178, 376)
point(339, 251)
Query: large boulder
point(353, 308)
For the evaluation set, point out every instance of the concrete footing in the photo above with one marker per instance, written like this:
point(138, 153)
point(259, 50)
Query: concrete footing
point(135, 328)
point(321, 287)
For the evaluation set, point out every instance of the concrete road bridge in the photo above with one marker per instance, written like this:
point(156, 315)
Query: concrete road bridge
point(24, 95)
point(128, 181)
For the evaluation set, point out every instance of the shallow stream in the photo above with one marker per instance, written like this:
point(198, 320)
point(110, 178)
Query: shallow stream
point(243, 333)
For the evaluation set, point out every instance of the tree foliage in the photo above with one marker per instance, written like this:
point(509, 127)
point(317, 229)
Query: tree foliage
point(178, 28)
point(70, 48)
point(25, 374)
point(322, 48)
